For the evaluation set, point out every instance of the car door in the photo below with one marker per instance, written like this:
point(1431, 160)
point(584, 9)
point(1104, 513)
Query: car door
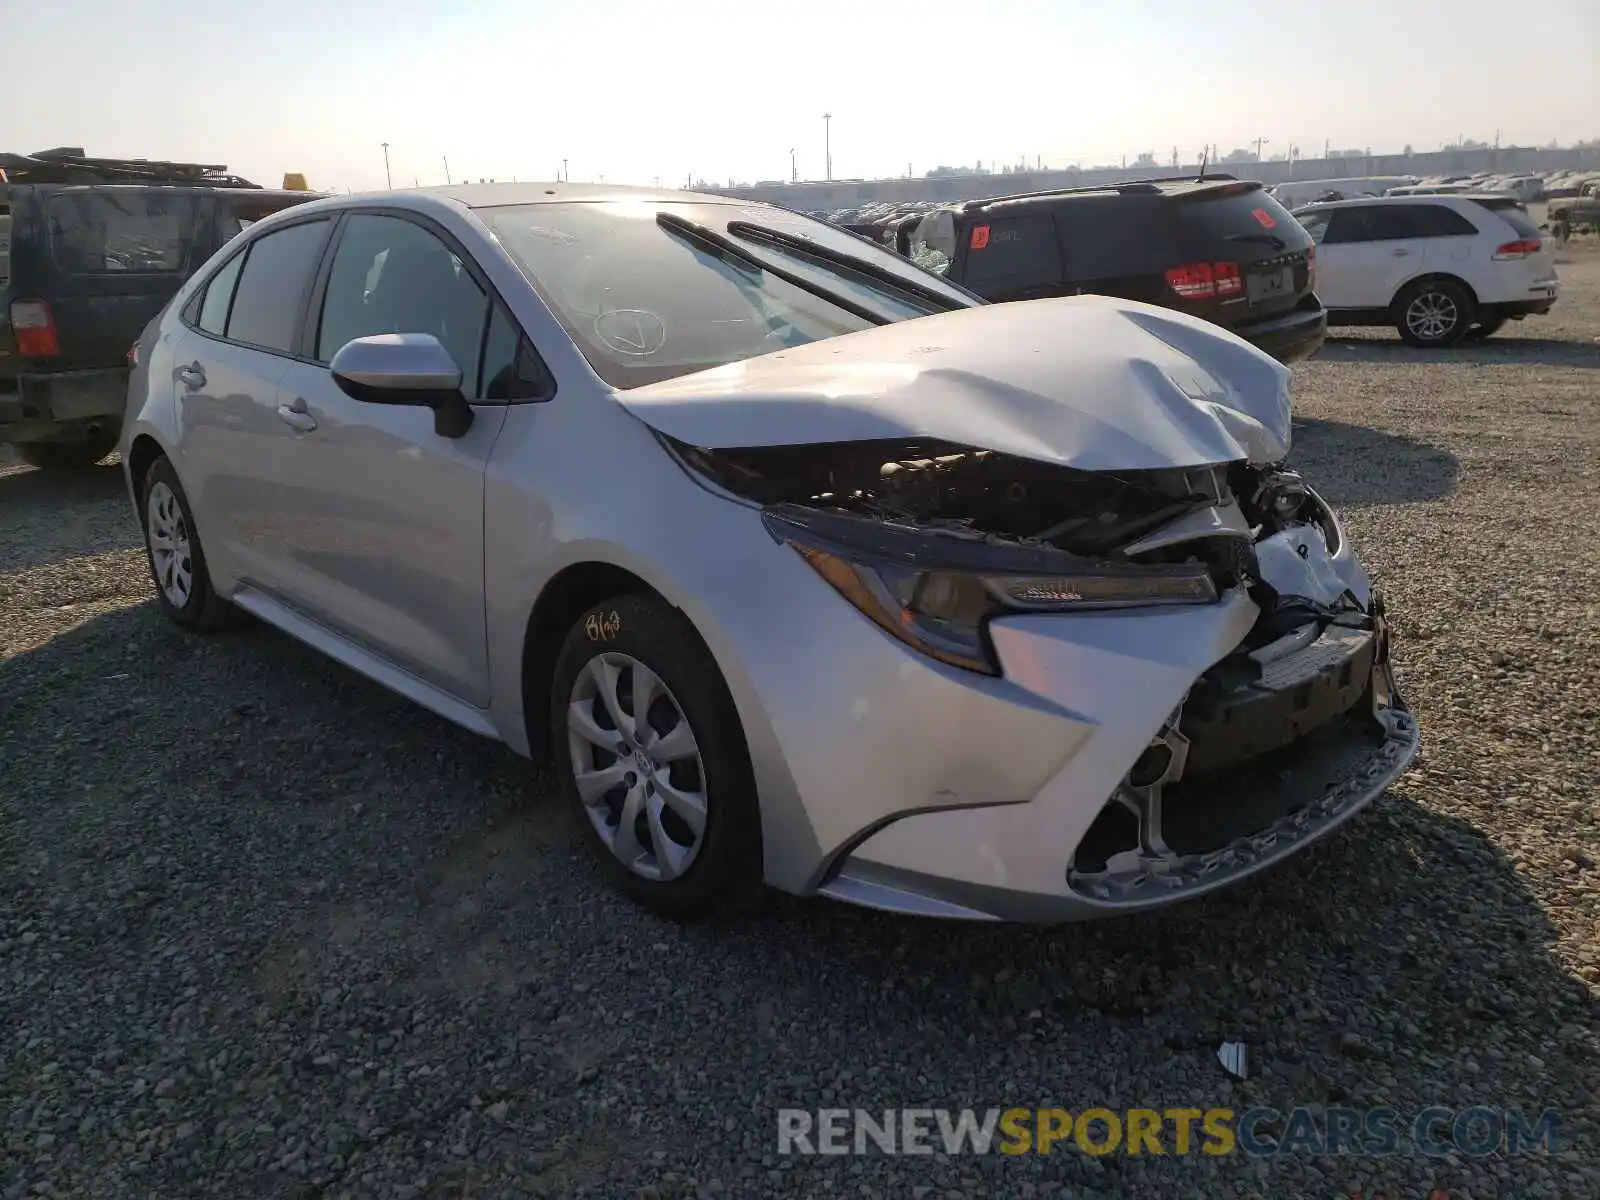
point(240, 330)
point(1366, 253)
point(381, 515)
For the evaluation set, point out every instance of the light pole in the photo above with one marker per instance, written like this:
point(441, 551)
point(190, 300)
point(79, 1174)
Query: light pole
point(386, 179)
point(827, 145)
point(794, 171)
point(564, 175)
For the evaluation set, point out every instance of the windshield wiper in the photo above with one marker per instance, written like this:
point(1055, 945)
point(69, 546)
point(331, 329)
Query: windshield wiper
point(729, 250)
point(807, 248)
point(711, 241)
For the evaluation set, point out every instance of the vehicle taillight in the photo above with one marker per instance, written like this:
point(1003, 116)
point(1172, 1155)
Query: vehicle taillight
point(34, 329)
point(1519, 249)
point(1206, 280)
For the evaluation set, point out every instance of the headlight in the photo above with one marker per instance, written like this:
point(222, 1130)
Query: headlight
point(936, 592)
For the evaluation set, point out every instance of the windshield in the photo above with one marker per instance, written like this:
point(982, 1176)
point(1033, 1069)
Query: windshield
point(645, 304)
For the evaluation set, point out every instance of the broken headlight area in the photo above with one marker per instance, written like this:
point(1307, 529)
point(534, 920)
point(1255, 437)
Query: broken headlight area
point(936, 591)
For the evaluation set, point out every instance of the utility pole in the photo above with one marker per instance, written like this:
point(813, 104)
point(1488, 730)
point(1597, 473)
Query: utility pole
point(386, 179)
point(446, 158)
point(1260, 142)
point(827, 145)
point(564, 176)
point(794, 171)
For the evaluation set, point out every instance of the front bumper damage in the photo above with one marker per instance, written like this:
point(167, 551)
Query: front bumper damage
point(1271, 767)
point(1091, 760)
point(1200, 744)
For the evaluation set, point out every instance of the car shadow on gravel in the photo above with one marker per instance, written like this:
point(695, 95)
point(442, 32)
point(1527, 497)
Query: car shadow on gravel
point(24, 485)
point(1358, 465)
point(62, 515)
point(1503, 349)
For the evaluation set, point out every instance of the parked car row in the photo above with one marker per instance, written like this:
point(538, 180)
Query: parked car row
point(1441, 263)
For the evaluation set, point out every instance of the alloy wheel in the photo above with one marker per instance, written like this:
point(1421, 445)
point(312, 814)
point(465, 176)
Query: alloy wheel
point(637, 766)
point(169, 545)
point(1431, 316)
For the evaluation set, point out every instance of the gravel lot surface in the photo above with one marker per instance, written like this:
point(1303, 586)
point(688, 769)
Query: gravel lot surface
point(268, 931)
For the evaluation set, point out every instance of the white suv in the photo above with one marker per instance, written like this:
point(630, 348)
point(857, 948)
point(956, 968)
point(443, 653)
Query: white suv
point(1437, 268)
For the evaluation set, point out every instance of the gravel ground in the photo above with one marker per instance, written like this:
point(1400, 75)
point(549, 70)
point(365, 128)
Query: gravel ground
point(267, 931)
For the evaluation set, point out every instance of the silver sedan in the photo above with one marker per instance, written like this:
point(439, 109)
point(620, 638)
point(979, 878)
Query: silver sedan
point(804, 566)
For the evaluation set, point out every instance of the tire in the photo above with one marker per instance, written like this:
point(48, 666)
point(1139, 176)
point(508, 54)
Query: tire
point(168, 523)
point(1485, 329)
point(1434, 313)
point(73, 454)
point(661, 862)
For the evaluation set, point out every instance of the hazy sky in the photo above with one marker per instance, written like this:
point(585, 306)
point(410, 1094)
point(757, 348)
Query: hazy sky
point(636, 90)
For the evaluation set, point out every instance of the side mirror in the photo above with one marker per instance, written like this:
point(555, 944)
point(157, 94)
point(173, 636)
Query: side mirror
point(405, 368)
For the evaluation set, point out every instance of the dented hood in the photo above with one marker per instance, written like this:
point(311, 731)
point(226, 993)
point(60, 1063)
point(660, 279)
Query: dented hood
point(1085, 381)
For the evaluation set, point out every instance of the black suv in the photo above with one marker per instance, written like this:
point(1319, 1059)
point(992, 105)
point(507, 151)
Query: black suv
point(90, 250)
point(1211, 245)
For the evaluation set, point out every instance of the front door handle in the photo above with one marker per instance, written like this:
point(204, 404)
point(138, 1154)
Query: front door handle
point(295, 416)
point(192, 376)
point(1400, 252)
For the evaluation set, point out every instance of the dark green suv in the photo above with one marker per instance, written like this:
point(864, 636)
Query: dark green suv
point(91, 250)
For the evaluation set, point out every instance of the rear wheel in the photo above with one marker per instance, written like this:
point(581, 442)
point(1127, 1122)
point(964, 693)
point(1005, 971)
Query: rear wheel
point(650, 751)
point(68, 454)
point(177, 563)
point(1434, 312)
point(1485, 328)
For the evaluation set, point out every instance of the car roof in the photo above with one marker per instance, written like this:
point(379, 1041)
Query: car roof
point(1432, 198)
point(1178, 186)
point(494, 195)
point(456, 197)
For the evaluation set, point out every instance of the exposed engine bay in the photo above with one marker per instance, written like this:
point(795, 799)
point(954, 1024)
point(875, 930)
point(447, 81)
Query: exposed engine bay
point(1226, 516)
point(1306, 689)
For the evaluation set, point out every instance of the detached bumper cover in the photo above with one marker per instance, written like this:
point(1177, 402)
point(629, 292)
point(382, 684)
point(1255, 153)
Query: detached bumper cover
point(1254, 803)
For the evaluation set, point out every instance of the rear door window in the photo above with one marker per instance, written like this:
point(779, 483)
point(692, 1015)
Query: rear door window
point(1019, 251)
point(1360, 225)
point(1433, 220)
point(273, 286)
point(218, 298)
point(1114, 237)
point(121, 230)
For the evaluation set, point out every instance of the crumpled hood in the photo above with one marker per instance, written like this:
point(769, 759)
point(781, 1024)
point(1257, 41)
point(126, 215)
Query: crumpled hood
point(1086, 381)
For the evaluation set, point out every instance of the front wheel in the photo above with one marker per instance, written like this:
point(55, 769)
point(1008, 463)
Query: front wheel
point(651, 753)
point(1434, 313)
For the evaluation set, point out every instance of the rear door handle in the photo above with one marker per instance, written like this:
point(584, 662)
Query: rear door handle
point(1399, 252)
point(193, 377)
point(295, 416)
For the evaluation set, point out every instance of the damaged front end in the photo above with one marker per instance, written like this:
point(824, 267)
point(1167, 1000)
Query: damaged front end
point(1281, 739)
